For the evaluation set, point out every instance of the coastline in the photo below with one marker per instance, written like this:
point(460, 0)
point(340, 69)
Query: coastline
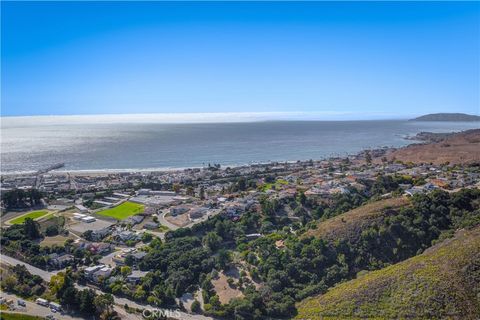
point(411, 139)
point(100, 172)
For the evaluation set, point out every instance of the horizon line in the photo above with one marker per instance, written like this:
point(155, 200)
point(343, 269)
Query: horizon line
point(209, 117)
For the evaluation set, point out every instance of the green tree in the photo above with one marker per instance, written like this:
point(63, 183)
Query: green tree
point(125, 270)
point(35, 197)
point(269, 207)
point(368, 157)
point(86, 301)
point(196, 306)
point(212, 241)
point(190, 191)
point(32, 229)
point(147, 237)
point(222, 259)
point(57, 282)
point(176, 188)
point(9, 283)
point(241, 184)
point(69, 297)
point(104, 303)
point(51, 230)
point(301, 198)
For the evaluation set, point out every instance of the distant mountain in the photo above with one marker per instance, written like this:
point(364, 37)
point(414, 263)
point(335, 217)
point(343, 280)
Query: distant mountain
point(447, 117)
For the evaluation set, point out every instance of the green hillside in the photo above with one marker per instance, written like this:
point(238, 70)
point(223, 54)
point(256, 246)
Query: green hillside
point(443, 282)
point(350, 224)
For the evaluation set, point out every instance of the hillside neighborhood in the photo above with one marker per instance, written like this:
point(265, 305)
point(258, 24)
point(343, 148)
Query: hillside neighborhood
point(112, 232)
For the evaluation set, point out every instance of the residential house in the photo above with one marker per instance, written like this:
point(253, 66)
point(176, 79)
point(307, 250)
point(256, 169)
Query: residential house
point(136, 276)
point(151, 225)
point(95, 247)
point(100, 234)
point(60, 261)
point(133, 220)
point(138, 256)
point(414, 190)
point(101, 273)
point(89, 271)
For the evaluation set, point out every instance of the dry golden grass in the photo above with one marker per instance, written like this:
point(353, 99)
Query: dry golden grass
point(223, 289)
point(461, 148)
point(56, 240)
point(350, 224)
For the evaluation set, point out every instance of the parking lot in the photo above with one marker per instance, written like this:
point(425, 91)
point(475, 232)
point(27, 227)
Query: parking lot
point(153, 200)
point(81, 227)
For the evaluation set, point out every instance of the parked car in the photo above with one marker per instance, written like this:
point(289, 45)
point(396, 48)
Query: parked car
point(21, 302)
point(42, 302)
point(55, 307)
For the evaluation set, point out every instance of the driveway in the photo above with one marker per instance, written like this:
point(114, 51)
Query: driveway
point(169, 225)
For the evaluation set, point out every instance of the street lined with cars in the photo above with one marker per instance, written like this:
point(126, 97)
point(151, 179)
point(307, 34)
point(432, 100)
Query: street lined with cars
point(43, 308)
point(18, 305)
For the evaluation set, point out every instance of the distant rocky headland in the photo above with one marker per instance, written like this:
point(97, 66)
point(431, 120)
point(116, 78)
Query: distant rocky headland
point(447, 117)
point(430, 136)
point(455, 148)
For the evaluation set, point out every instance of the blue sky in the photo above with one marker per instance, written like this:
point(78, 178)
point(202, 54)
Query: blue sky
point(361, 59)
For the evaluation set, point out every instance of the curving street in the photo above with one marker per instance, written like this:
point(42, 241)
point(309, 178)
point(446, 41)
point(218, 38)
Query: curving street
point(119, 302)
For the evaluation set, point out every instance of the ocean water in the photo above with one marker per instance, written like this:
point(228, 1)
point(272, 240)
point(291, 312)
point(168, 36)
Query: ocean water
point(30, 143)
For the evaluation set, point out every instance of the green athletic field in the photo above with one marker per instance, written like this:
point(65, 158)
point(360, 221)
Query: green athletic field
point(123, 211)
point(33, 215)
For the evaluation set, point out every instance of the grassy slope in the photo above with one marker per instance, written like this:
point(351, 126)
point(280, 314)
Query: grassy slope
point(123, 211)
point(443, 282)
point(33, 215)
point(463, 147)
point(350, 224)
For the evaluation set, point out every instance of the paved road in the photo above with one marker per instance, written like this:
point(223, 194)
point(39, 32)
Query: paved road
point(120, 302)
point(169, 225)
point(45, 275)
point(35, 309)
point(181, 315)
point(108, 258)
point(10, 215)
